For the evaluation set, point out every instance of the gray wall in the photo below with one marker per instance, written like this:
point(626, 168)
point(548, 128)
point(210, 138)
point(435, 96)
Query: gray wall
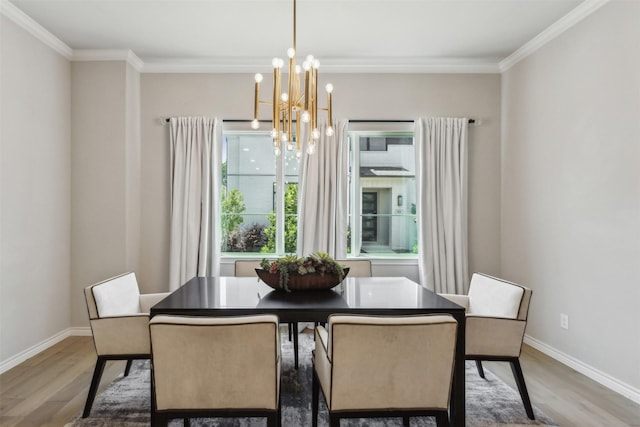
point(571, 189)
point(369, 96)
point(105, 205)
point(34, 191)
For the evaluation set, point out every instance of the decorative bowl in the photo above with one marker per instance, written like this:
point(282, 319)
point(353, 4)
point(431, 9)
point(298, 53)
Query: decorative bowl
point(305, 282)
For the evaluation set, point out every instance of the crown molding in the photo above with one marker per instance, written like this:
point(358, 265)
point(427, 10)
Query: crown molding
point(108, 55)
point(554, 30)
point(416, 65)
point(328, 65)
point(35, 29)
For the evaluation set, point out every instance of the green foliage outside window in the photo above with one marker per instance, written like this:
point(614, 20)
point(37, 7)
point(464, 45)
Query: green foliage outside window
point(290, 223)
point(232, 208)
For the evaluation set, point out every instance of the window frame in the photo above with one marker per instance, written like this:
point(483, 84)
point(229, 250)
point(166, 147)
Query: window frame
point(356, 130)
point(370, 129)
point(280, 185)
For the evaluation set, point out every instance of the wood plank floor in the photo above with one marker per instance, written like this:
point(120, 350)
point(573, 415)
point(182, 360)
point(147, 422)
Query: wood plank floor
point(50, 389)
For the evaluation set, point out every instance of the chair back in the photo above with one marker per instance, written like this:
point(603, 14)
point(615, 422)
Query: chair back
point(493, 297)
point(116, 296)
point(246, 268)
point(215, 363)
point(381, 362)
point(357, 267)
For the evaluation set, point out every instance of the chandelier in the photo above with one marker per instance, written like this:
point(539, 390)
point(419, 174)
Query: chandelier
point(299, 102)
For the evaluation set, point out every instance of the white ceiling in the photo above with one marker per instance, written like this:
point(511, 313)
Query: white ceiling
point(373, 34)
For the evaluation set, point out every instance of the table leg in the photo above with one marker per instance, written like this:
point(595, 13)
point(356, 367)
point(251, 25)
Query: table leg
point(295, 344)
point(458, 390)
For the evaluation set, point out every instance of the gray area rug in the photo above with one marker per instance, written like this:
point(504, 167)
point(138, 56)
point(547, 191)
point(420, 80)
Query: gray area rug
point(490, 402)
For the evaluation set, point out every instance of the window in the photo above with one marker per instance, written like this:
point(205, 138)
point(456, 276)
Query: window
point(255, 184)
point(260, 193)
point(382, 220)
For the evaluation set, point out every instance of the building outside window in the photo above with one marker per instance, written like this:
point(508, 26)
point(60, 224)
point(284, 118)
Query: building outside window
point(260, 194)
point(382, 219)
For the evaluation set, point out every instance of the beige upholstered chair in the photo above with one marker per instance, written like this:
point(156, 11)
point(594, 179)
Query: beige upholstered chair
point(215, 367)
point(246, 268)
point(495, 323)
point(119, 319)
point(357, 267)
point(370, 366)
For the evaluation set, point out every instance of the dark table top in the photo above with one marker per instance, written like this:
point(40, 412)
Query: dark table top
point(247, 295)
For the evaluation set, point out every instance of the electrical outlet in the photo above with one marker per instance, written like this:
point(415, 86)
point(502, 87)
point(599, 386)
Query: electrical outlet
point(564, 321)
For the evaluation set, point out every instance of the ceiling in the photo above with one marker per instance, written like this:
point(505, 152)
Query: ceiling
point(365, 34)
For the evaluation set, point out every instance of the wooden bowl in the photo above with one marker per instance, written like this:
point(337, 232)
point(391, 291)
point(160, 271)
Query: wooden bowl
point(306, 282)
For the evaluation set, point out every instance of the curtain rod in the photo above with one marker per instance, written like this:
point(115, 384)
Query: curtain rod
point(471, 121)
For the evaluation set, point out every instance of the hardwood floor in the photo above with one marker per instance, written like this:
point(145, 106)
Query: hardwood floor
point(50, 389)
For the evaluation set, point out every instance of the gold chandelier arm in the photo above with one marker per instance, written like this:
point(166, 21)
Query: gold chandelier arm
point(276, 104)
point(299, 103)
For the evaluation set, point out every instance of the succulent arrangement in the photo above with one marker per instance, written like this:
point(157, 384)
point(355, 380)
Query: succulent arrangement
point(319, 263)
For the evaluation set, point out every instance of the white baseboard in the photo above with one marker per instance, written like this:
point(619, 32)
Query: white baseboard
point(606, 380)
point(14, 361)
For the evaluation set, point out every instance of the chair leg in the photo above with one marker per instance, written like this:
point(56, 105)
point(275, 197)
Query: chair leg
point(442, 419)
point(334, 420)
point(290, 330)
point(272, 420)
point(406, 421)
point(95, 382)
point(522, 387)
point(186, 422)
point(279, 414)
point(159, 420)
point(315, 397)
point(480, 370)
point(128, 367)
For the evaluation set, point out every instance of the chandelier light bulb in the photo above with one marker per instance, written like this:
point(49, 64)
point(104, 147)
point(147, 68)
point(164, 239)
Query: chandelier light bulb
point(329, 131)
point(305, 116)
point(255, 124)
point(289, 145)
point(329, 88)
point(309, 59)
point(298, 155)
point(277, 151)
point(291, 52)
point(275, 62)
point(285, 96)
point(274, 133)
point(258, 78)
point(316, 133)
point(316, 64)
point(283, 137)
point(311, 149)
point(298, 69)
point(306, 65)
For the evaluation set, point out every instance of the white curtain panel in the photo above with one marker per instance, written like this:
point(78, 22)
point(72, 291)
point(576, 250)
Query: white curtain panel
point(441, 179)
point(322, 192)
point(195, 191)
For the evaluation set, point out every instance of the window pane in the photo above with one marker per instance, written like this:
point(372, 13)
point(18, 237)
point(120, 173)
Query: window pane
point(249, 205)
point(386, 189)
point(248, 177)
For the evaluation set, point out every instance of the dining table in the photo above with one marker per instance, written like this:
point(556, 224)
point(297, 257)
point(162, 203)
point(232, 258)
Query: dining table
point(239, 296)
